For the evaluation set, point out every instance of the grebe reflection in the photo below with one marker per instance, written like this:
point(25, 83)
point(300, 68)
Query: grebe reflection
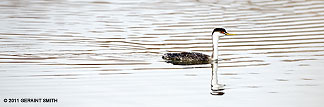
point(216, 88)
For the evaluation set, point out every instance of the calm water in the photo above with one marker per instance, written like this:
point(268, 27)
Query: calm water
point(108, 53)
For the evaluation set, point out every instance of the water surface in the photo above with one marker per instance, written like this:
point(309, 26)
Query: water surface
point(108, 53)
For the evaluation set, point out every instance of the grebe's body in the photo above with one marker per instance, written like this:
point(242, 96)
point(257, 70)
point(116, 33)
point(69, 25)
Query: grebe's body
point(188, 58)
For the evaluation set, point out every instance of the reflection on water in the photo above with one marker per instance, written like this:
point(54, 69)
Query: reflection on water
point(80, 50)
point(216, 88)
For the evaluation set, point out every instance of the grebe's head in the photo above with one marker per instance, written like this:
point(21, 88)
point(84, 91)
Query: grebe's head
point(221, 31)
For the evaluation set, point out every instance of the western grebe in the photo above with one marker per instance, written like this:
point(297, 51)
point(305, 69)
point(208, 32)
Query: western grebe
point(189, 58)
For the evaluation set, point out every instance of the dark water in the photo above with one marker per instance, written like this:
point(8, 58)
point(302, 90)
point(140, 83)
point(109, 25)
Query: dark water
point(108, 53)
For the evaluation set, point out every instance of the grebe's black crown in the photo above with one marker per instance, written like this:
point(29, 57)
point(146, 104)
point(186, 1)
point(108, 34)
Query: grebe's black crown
point(221, 30)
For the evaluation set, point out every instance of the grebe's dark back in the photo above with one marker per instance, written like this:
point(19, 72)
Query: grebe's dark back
point(187, 58)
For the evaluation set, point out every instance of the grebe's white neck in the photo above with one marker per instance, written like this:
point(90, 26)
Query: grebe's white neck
point(216, 36)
